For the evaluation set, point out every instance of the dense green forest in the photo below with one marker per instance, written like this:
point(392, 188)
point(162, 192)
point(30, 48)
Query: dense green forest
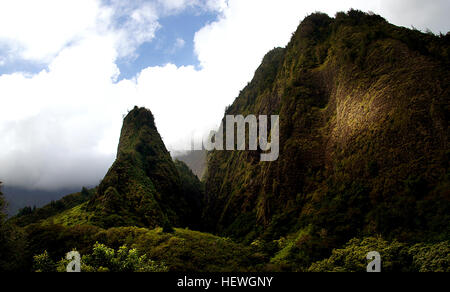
point(364, 111)
point(364, 166)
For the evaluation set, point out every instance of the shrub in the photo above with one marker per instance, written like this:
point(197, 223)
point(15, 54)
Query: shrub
point(105, 259)
point(431, 257)
point(43, 263)
point(352, 258)
point(395, 257)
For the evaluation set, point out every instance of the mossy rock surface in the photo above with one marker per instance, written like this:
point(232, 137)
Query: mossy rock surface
point(364, 110)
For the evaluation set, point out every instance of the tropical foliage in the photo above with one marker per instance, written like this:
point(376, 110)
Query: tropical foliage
point(364, 166)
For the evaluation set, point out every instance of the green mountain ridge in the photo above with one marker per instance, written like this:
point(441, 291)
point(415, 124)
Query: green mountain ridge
point(143, 187)
point(364, 113)
point(127, 188)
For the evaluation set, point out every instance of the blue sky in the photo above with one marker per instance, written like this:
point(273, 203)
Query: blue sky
point(21, 66)
point(173, 43)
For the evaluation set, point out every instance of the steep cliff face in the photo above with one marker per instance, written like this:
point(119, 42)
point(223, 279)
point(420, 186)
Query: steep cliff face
point(364, 110)
point(143, 187)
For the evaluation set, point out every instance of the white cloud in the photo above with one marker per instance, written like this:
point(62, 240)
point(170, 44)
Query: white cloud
point(171, 6)
point(55, 120)
point(180, 43)
point(132, 24)
point(423, 15)
point(38, 30)
point(60, 127)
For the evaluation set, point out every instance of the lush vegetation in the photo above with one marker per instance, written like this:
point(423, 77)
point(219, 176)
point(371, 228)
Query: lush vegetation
point(144, 188)
point(12, 242)
point(364, 166)
point(102, 259)
point(396, 257)
point(363, 109)
point(30, 215)
point(182, 250)
point(139, 249)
